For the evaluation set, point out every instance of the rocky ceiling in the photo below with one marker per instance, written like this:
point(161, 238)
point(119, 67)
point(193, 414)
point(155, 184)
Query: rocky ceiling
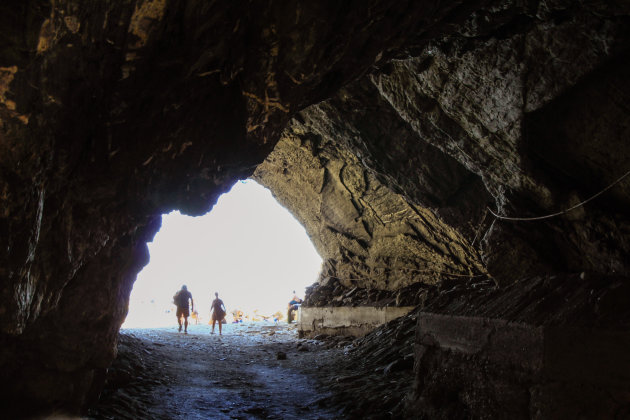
point(395, 131)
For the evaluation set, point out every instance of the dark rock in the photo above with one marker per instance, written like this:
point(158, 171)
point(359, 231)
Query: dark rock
point(409, 138)
point(477, 355)
point(281, 355)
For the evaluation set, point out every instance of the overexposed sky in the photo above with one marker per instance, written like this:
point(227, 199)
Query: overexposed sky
point(249, 248)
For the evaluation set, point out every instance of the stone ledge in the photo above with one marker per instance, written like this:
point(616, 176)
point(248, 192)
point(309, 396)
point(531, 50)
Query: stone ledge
point(346, 320)
point(493, 368)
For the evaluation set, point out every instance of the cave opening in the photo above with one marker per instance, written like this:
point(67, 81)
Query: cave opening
point(430, 149)
point(248, 248)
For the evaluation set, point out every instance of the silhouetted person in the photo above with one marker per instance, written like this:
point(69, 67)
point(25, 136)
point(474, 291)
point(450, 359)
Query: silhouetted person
point(295, 300)
point(294, 304)
point(183, 310)
point(218, 312)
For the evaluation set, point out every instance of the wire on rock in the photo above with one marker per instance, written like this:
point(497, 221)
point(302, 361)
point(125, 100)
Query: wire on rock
point(549, 216)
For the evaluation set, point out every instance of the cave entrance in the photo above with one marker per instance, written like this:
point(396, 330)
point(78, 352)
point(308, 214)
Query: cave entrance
point(249, 249)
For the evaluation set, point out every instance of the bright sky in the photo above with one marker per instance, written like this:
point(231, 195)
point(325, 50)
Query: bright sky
point(249, 248)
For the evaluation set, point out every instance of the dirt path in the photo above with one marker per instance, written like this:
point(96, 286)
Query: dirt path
point(163, 374)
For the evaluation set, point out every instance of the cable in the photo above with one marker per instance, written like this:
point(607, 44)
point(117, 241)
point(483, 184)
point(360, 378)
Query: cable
point(549, 216)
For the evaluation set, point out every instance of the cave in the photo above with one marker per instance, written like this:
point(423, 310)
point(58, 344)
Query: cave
point(463, 158)
point(249, 248)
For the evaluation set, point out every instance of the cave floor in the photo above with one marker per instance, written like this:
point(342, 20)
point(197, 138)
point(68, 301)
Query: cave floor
point(163, 374)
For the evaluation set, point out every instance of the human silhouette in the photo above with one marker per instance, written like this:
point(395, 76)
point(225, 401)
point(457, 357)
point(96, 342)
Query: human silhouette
point(218, 312)
point(183, 310)
point(294, 304)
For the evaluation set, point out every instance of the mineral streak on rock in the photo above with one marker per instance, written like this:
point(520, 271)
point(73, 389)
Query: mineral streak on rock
point(6, 77)
point(401, 122)
point(146, 15)
point(7, 74)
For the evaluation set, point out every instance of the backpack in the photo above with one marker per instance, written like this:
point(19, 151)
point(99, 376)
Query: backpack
point(178, 299)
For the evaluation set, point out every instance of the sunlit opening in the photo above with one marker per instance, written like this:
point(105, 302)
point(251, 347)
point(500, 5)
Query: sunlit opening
point(249, 249)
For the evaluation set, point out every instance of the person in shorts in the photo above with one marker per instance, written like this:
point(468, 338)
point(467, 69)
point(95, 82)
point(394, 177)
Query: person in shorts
point(218, 312)
point(181, 299)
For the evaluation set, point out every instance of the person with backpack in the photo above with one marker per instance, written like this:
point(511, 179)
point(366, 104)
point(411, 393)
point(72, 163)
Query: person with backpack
point(183, 310)
point(294, 304)
point(218, 312)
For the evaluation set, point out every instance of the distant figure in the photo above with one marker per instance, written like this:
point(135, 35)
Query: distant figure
point(277, 316)
point(294, 304)
point(183, 310)
point(295, 300)
point(195, 316)
point(218, 312)
point(238, 315)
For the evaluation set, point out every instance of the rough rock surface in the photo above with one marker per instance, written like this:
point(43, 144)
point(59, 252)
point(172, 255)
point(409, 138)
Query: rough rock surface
point(114, 112)
point(369, 237)
point(527, 103)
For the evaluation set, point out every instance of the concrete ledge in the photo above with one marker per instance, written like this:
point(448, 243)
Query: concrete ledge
point(493, 368)
point(554, 351)
point(505, 343)
point(346, 320)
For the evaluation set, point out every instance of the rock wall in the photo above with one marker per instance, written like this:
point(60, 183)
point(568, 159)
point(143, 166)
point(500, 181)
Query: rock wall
point(369, 237)
point(524, 109)
point(427, 113)
point(115, 112)
point(485, 122)
point(532, 101)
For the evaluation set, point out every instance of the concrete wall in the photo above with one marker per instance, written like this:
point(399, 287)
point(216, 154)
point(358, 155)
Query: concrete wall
point(493, 368)
point(346, 320)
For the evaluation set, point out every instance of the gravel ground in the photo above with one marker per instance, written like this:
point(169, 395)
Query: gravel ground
point(254, 370)
point(259, 370)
